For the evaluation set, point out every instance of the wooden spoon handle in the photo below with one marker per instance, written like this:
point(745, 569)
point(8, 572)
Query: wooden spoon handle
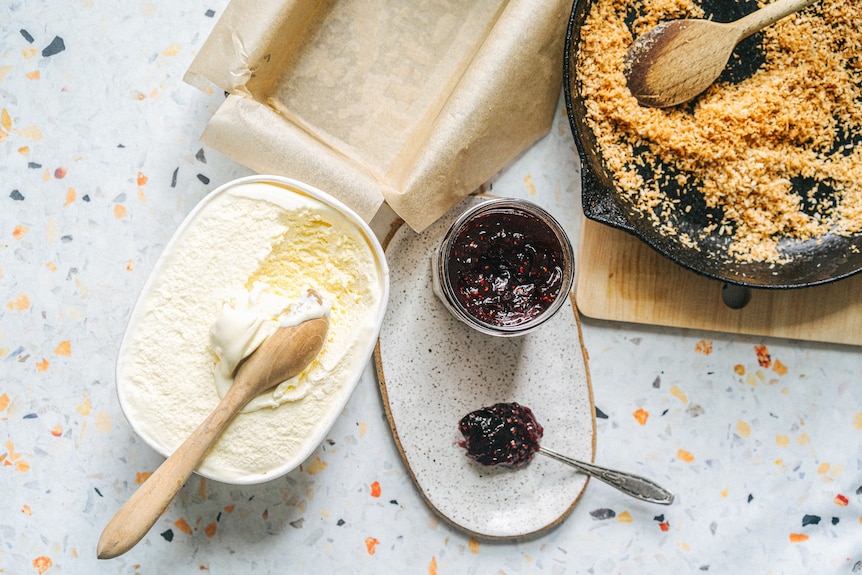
point(145, 506)
point(769, 14)
point(281, 356)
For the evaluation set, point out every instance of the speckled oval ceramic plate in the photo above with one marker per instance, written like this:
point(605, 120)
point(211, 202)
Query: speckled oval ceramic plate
point(433, 370)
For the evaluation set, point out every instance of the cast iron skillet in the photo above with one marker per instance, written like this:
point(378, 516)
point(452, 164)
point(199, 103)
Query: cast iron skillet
point(810, 263)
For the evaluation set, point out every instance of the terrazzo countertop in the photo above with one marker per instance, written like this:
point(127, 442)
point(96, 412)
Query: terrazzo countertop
point(100, 162)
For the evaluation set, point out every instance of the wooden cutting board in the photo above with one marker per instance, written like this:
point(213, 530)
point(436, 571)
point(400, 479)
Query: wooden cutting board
point(621, 278)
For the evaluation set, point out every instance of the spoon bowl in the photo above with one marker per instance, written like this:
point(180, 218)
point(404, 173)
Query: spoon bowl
point(676, 60)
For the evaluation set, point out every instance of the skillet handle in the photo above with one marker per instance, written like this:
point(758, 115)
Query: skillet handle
point(600, 205)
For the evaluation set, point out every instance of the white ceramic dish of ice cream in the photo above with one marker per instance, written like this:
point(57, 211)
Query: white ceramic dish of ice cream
point(246, 249)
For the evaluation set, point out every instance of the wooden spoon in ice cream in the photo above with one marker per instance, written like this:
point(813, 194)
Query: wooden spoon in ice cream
point(281, 356)
point(677, 60)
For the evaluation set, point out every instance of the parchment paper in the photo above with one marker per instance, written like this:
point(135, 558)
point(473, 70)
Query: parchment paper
point(415, 104)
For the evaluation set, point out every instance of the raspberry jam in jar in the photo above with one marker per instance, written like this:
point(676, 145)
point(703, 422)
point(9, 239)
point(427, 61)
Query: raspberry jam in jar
point(504, 267)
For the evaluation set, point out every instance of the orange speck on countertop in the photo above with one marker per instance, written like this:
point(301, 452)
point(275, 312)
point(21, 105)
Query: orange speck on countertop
point(803, 439)
point(857, 420)
point(375, 489)
point(782, 440)
point(779, 368)
point(85, 407)
point(5, 119)
point(684, 455)
point(432, 566)
point(529, 184)
point(841, 500)
point(20, 231)
point(743, 429)
point(371, 545)
point(64, 348)
point(60, 173)
point(641, 416)
point(4, 402)
point(704, 346)
point(57, 430)
point(130, 265)
point(25, 509)
point(763, 358)
point(51, 266)
point(798, 537)
point(70, 197)
point(42, 366)
point(624, 517)
point(315, 466)
point(142, 179)
point(11, 457)
point(33, 75)
point(42, 564)
point(103, 422)
point(142, 476)
point(229, 508)
point(31, 133)
point(183, 526)
point(363, 428)
point(29, 52)
point(142, 197)
point(473, 545)
point(119, 211)
point(210, 529)
point(679, 394)
point(171, 50)
point(24, 150)
point(822, 468)
point(739, 369)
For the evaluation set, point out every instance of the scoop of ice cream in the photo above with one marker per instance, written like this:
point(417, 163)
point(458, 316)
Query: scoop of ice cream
point(246, 320)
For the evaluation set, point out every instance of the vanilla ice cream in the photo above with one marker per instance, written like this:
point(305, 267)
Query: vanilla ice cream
point(243, 263)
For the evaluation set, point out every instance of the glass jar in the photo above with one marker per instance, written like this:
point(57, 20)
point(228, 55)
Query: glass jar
point(504, 267)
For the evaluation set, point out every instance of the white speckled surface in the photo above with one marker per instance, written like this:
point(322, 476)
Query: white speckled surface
point(434, 369)
point(759, 437)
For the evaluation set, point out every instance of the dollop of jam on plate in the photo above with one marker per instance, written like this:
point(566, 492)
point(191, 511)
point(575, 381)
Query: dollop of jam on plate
point(502, 434)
